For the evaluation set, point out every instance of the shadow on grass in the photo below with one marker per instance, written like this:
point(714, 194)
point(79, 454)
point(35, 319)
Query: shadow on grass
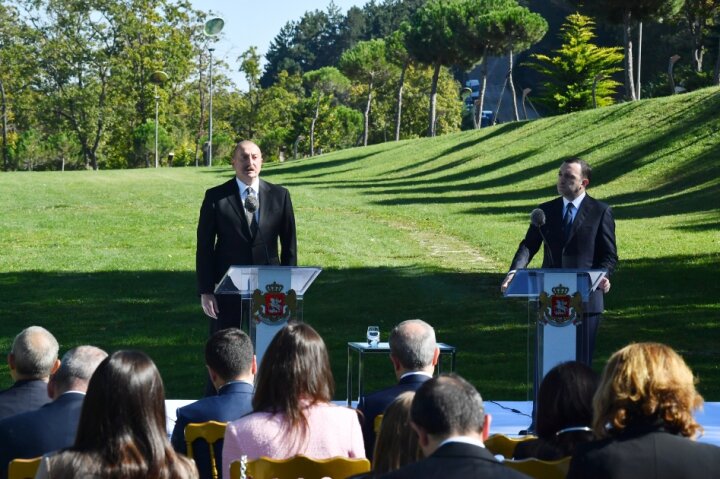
point(673, 301)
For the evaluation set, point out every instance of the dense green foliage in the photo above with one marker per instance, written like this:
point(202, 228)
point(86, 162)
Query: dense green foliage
point(578, 70)
point(423, 228)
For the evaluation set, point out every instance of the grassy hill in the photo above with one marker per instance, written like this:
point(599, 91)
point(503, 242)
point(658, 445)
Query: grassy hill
point(422, 228)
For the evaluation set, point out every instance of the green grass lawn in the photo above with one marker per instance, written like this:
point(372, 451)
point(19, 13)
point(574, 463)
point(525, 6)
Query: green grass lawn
point(423, 228)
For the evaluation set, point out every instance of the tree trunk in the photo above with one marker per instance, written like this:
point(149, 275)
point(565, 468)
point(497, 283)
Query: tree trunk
point(312, 127)
point(398, 114)
point(482, 92)
point(629, 76)
point(512, 85)
point(716, 76)
point(367, 114)
point(433, 99)
point(4, 127)
point(697, 44)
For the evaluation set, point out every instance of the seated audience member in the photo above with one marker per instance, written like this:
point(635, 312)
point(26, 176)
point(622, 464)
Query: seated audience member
point(643, 415)
point(414, 354)
point(292, 409)
point(231, 365)
point(53, 426)
point(448, 415)
point(122, 427)
point(564, 413)
point(32, 359)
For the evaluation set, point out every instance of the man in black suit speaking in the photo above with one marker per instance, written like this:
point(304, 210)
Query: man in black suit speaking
point(578, 232)
point(241, 222)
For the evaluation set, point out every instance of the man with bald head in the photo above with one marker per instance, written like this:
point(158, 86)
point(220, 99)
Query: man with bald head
point(414, 354)
point(53, 426)
point(33, 358)
point(241, 223)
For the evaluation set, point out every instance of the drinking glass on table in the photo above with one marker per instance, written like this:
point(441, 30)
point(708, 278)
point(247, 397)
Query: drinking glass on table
point(373, 336)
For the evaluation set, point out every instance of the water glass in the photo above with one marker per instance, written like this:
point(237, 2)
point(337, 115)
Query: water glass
point(373, 336)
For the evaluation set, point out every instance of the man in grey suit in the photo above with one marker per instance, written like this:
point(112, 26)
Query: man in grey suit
point(241, 223)
point(448, 415)
point(53, 426)
point(578, 233)
point(32, 359)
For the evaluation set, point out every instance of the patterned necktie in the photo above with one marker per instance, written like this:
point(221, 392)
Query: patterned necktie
point(251, 206)
point(568, 221)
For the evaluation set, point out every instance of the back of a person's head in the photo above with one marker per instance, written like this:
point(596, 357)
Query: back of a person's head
point(77, 367)
point(646, 383)
point(397, 443)
point(229, 352)
point(565, 398)
point(35, 352)
point(448, 405)
point(413, 344)
point(122, 423)
point(295, 368)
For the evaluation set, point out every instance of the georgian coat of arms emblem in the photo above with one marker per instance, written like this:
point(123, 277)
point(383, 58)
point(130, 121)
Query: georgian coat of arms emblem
point(274, 305)
point(560, 309)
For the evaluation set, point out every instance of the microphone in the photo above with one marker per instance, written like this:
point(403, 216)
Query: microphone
point(537, 219)
point(251, 206)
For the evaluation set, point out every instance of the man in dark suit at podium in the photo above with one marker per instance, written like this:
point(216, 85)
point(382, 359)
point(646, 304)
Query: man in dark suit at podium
point(577, 232)
point(414, 354)
point(241, 222)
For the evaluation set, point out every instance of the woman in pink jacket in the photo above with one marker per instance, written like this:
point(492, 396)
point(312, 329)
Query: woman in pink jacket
point(293, 413)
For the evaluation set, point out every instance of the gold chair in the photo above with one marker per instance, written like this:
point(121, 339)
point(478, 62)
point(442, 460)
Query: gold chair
point(377, 423)
point(504, 445)
point(211, 432)
point(301, 466)
point(23, 468)
point(541, 469)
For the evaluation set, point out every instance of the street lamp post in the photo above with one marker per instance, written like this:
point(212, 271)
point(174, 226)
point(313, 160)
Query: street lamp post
point(213, 27)
point(157, 78)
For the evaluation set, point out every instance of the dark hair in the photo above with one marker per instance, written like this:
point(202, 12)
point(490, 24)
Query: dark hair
point(122, 423)
point(295, 372)
point(448, 404)
point(229, 353)
point(396, 444)
point(585, 169)
point(412, 342)
point(565, 398)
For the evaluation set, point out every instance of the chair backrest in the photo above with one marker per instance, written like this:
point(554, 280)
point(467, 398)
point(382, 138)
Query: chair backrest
point(23, 468)
point(301, 466)
point(504, 445)
point(211, 432)
point(541, 469)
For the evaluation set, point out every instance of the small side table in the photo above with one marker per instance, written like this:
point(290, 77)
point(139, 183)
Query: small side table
point(363, 348)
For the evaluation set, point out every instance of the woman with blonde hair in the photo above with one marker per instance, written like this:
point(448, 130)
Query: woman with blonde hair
point(643, 417)
point(292, 409)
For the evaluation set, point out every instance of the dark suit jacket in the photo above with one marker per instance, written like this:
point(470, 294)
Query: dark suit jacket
point(23, 396)
point(234, 400)
point(223, 233)
point(34, 433)
point(591, 244)
point(648, 453)
point(377, 402)
point(456, 461)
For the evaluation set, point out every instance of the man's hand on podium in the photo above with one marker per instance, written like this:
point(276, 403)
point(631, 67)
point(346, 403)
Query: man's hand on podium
point(604, 284)
point(506, 282)
point(209, 305)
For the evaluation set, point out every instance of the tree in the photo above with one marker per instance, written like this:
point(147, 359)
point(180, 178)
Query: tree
point(700, 16)
point(323, 84)
point(626, 12)
point(578, 66)
point(397, 54)
point(432, 38)
point(366, 63)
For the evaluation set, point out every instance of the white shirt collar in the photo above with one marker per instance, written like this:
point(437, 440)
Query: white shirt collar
point(462, 439)
point(255, 185)
point(412, 373)
point(576, 202)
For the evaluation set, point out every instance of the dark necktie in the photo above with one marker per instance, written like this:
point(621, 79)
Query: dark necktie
point(251, 206)
point(568, 221)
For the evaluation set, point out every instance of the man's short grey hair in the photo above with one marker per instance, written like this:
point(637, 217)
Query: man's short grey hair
point(78, 364)
point(35, 351)
point(412, 342)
